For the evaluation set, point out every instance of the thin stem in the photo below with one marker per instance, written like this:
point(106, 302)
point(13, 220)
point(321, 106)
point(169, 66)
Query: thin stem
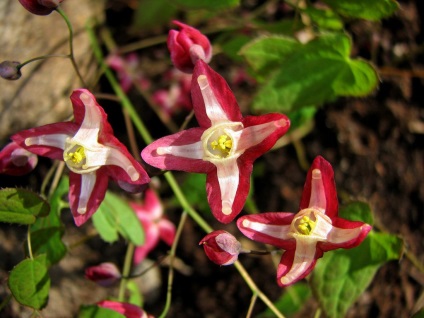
point(43, 57)
point(48, 177)
point(71, 45)
point(187, 120)
point(158, 262)
point(56, 178)
point(126, 271)
point(171, 261)
point(252, 305)
point(29, 242)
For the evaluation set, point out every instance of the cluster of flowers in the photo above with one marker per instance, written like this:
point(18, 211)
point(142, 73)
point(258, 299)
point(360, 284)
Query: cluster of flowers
point(224, 147)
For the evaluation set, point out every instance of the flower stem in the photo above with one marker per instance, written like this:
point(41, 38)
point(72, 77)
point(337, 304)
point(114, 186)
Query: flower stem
point(71, 45)
point(171, 261)
point(43, 57)
point(29, 242)
point(126, 271)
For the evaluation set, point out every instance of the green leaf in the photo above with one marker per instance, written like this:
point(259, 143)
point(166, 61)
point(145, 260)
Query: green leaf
point(357, 211)
point(342, 275)
point(291, 301)
point(232, 44)
point(135, 296)
point(364, 9)
point(195, 191)
point(29, 282)
point(48, 241)
point(153, 14)
point(116, 216)
point(21, 206)
point(307, 75)
point(206, 4)
point(93, 311)
point(325, 19)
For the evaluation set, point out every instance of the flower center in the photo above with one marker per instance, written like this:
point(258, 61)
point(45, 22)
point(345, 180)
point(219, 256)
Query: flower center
point(223, 144)
point(75, 156)
point(305, 225)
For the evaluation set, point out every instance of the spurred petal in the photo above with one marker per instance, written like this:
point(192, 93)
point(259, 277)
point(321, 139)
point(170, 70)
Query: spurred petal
point(345, 234)
point(270, 228)
point(221, 91)
point(48, 140)
point(90, 189)
point(329, 186)
point(188, 159)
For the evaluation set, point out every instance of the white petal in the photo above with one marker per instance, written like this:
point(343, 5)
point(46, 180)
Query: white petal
point(117, 158)
point(88, 181)
point(88, 133)
point(303, 258)
point(338, 235)
point(228, 179)
point(317, 199)
point(53, 140)
point(191, 151)
point(281, 232)
point(214, 110)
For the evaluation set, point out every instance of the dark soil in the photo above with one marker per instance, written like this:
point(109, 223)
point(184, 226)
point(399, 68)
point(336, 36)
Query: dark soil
point(375, 145)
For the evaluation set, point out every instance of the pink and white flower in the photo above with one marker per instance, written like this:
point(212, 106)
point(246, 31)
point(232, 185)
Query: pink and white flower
point(91, 152)
point(224, 146)
point(187, 46)
point(221, 247)
point(16, 161)
point(306, 235)
point(155, 225)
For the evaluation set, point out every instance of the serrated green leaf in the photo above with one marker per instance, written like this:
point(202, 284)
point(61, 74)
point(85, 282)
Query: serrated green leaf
point(310, 74)
point(48, 241)
point(291, 301)
point(93, 311)
point(342, 275)
point(364, 9)
point(206, 4)
point(29, 282)
point(21, 206)
point(357, 211)
point(116, 216)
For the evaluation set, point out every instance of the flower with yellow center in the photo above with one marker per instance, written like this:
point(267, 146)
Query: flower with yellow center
point(306, 235)
point(90, 151)
point(224, 146)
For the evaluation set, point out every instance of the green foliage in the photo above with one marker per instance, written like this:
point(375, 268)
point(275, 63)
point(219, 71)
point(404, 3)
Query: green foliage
point(114, 217)
point(135, 296)
point(324, 18)
point(206, 4)
point(93, 311)
point(195, 191)
point(21, 206)
point(151, 14)
point(364, 9)
point(342, 275)
point(48, 242)
point(29, 282)
point(306, 74)
point(291, 301)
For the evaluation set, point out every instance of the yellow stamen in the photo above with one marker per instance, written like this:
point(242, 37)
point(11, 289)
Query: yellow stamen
point(77, 156)
point(223, 143)
point(306, 225)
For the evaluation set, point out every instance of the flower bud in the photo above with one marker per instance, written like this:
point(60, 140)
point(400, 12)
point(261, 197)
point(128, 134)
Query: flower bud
point(40, 7)
point(104, 274)
point(126, 309)
point(221, 247)
point(187, 47)
point(9, 70)
point(16, 161)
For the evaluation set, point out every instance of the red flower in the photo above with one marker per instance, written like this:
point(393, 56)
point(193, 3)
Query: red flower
point(224, 146)
point(221, 247)
point(40, 7)
point(16, 161)
point(306, 235)
point(155, 225)
point(104, 274)
point(187, 47)
point(91, 152)
point(126, 309)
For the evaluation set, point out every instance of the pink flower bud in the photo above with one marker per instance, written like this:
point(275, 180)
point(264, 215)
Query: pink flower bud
point(9, 70)
point(16, 161)
point(126, 309)
point(104, 274)
point(187, 47)
point(221, 247)
point(40, 7)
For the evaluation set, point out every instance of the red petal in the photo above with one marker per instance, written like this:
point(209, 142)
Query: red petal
point(327, 174)
point(222, 92)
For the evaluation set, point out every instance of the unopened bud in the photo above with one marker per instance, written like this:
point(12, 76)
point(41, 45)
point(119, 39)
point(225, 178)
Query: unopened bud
point(104, 274)
point(40, 7)
point(9, 70)
point(16, 161)
point(221, 247)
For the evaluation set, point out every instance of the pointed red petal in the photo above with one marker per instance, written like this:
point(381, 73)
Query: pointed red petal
point(327, 173)
point(221, 90)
